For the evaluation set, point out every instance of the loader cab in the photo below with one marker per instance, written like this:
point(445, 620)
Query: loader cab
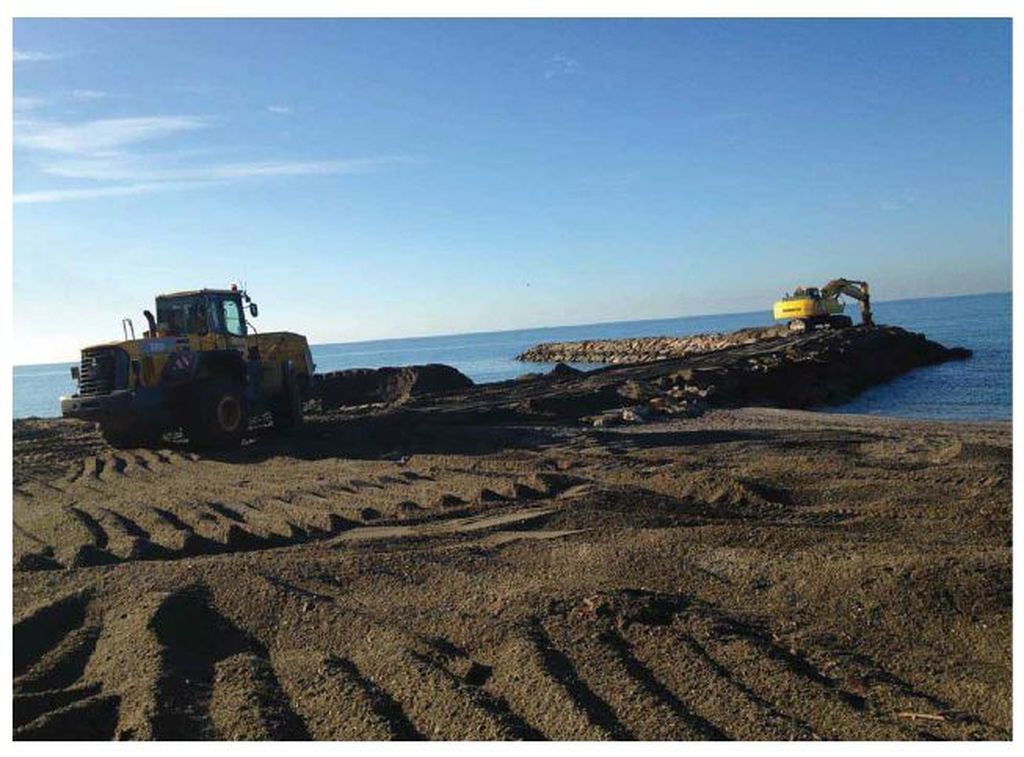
point(207, 311)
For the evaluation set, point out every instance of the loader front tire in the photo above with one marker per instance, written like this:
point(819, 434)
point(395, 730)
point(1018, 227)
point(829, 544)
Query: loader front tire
point(221, 416)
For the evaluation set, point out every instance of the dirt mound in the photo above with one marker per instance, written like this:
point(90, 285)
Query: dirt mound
point(367, 386)
point(561, 370)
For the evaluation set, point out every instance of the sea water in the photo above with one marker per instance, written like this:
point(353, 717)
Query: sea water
point(974, 389)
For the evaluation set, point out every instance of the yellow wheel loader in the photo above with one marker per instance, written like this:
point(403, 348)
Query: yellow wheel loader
point(200, 367)
point(810, 307)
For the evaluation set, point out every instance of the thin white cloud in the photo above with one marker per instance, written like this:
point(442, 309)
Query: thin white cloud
point(32, 56)
point(279, 109)
point(88, 94)
point(561, 65)
point(301, 168)
point(92, 193)
point(138, 169)
point(100, 152)
point(170, 180)
point(101, 135)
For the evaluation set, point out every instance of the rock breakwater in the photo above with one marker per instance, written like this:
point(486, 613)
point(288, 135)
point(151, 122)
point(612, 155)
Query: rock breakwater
point(646, 349)
point(792, 371)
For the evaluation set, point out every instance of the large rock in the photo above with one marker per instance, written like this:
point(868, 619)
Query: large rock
point(391, 386)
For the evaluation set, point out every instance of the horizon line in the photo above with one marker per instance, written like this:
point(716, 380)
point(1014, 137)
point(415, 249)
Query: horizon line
point(580, 325)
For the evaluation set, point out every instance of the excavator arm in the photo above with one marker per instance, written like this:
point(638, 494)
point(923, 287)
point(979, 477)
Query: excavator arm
point(858, 290)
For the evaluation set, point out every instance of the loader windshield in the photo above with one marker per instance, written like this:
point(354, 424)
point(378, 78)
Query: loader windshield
point(182, 315)
point(201, 313)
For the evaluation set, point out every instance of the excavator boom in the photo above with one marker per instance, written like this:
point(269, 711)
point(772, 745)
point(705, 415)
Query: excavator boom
point(858, 290)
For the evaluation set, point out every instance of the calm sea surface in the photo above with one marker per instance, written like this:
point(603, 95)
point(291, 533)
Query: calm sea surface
point(975, 389)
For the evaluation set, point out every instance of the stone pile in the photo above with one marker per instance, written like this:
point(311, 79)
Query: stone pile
point(646, 349)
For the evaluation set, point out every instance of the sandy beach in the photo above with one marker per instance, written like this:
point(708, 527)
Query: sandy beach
point(474, 565)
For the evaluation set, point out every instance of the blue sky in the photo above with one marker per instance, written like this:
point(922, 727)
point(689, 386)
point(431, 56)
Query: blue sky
point(370, 179)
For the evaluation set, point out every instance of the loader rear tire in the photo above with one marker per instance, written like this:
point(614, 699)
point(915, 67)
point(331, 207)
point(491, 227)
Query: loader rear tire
point(288, 414)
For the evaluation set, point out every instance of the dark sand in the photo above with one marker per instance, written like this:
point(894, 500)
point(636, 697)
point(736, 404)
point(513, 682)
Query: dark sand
point(463, 569)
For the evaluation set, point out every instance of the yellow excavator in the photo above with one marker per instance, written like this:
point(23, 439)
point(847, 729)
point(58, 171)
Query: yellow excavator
point(811, 307)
